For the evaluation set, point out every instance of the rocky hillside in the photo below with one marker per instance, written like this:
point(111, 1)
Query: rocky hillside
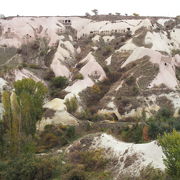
point(121, 66)
point(103, 73)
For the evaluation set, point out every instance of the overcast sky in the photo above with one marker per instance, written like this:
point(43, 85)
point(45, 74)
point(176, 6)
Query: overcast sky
point(79, 7)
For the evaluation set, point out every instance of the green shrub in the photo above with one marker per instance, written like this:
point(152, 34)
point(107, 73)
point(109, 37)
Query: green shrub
point(164, 112)
point(113, 76)
point(79, 76)
point(57, 93)
point(75, 174)
point(147, 173)
point(34, 66)
point(71, 104)
point(135, 91)
point(131, 80)
point(29, 167)
point(84, 115)
point(162, 122)
point(92, 160)
point(92, 95)
point(24, 64)
point(54, 136)
point(87, 165)
point(107, 51)
point(133, 134)
point(60, 82)
point(70, 132)
point(175, 51)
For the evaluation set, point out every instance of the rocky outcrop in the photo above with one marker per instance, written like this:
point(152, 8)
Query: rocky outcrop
point(56, 113)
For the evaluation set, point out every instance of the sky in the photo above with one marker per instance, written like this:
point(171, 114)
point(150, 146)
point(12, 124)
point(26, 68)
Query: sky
point(80, 7)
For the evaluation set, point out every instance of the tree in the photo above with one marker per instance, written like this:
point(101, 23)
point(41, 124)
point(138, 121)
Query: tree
point(135, 14)
point(87, 14)
point(22, 110)
point(145, 133)
point(118, 14)
point(30, 97)
point(95, 11)
point(2, 16)
point(170, 143)
point(11, 121)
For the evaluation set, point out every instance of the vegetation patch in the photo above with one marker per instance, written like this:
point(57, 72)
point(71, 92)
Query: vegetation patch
point(87, 165)
point(55, 136)
point(139, 40)
point(71, 104)
point(138, 75)
point(6, 54)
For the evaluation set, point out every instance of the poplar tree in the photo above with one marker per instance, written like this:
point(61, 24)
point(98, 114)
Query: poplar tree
point(23, 108)
point(30, 96)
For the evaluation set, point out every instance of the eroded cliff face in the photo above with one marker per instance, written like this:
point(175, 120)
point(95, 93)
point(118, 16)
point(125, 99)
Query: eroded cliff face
point(122, 67)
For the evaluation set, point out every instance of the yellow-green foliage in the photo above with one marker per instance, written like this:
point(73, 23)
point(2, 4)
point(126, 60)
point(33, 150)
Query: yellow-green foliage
point(71, 104)
point(146, 173)
point(30, 95)
point(170, 143)
point(54, 136)
point(12, 121)
point(29, 167)
point(96, 89)
point(93, 159)
point(22, 110)
point(79, 76)
point(87, 165)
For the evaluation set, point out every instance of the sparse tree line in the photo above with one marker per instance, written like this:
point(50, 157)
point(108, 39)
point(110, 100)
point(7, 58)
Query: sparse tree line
point(96, 12)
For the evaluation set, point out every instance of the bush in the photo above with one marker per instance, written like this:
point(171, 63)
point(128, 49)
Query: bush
point(107, 51)
point(34, 66)
point(113, 76)
point(175, 51)
point(86, 165)
point(75, 174)
point(91, 96)
point(135, 90)
point(131, 80)
point(29, 167)
point(79, 76)
point(92, 160)
point(71, 104)
point(70, 132)
point(162, 122)
point(133, 134)
point(156, 129)
point(60, 82)
point(57, 93)
point(147, 173)
point(54, 136)
point(164, 112)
